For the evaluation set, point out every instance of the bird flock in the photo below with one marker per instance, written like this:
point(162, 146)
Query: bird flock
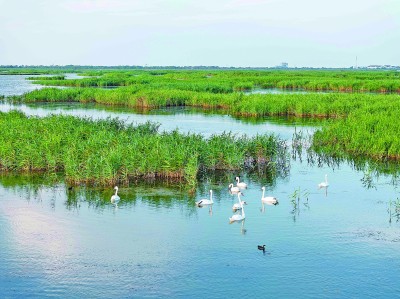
point(237, 207)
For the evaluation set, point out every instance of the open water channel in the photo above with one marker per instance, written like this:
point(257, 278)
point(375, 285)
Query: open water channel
point(339, 242)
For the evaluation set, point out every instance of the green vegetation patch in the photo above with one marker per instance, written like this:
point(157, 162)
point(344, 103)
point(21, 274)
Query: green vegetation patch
point(108, 151)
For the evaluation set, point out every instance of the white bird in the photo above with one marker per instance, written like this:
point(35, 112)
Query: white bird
point(238, 206)
point(240, 184)
point(233, 189)
point(115, 198)
point(238, 217)
point(324, 184)
point(205, 202)
point(268, 199)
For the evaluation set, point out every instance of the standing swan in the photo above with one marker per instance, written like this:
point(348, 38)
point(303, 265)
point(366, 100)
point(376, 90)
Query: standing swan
point(238, 206)
point(268, 199)
point(205, 202)
point(324, 184)
point(115, 198)
point(238, 217)
point(242, 185)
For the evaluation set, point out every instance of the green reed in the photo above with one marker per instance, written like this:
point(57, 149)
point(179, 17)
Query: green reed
point(364, 125)
point(108, 151)
point(369, 131)
point(218, 81)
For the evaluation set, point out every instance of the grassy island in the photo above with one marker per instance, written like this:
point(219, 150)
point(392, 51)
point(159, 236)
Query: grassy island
point(108, 151)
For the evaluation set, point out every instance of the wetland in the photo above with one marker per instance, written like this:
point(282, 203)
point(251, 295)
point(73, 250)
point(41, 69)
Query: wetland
point(63, 150)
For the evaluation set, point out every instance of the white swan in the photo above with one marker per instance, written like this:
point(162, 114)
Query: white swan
point(324, 184)
point(205, 202)
point(115, 198)
point(268, 199)
point(240, 184)
point(233, 189)
point(238, 217)
point(238, 206)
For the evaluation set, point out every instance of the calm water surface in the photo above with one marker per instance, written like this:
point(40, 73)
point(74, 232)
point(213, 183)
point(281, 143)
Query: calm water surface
point(157, 243)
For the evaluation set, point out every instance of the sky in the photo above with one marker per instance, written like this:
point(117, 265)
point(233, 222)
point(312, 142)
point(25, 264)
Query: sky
point(227, 33)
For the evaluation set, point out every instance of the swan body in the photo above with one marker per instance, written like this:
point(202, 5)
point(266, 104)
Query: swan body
point(240, 184)
point(238, 206)
point(115, 198)
point(238, 217)
point(233, 189)
point(268, 199)
point(205, 202)
point(324, 184)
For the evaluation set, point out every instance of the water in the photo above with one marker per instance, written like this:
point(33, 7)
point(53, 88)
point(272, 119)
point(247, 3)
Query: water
point(16, 85)
point(157, 243)
point(279, 91)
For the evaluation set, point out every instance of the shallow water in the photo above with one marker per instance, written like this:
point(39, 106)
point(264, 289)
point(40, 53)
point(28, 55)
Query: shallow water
point(157, 243)
point(16, 85)
point(183, 119)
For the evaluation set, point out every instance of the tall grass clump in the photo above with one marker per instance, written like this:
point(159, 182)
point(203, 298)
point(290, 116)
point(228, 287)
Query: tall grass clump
point(109, 151)
point(371, 131)
point(303, 105)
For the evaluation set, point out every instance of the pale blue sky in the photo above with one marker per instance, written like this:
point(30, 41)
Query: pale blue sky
point(313, 33)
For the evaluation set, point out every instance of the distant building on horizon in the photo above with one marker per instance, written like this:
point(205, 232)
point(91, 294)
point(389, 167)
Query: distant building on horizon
point(378, 66)
point(283, 65)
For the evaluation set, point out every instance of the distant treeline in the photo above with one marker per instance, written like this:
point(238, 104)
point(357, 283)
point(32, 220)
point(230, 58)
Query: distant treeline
point(72, 67)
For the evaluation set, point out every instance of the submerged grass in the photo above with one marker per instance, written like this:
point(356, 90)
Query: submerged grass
point(108, 151)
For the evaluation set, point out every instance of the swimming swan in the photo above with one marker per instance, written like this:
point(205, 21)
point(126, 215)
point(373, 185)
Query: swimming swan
point(242, 185)
point(115, 198)
point(238, 217)
point(205, 202)
point(324, 184)
point(268, 199)
point(238, 206)
point(233, 189)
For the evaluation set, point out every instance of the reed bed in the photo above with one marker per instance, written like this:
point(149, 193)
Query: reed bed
point(47, 78)
point(104, 152)
point(371, 131)
point(236, 81)
point(365, 123)
point(302, 105)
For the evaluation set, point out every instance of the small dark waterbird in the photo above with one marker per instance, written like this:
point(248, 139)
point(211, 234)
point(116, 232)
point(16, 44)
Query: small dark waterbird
point(261, 247)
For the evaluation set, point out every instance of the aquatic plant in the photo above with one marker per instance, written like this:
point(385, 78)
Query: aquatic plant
point(295, 198)
point(106, 152)
point(394, 209)
point(364, 125)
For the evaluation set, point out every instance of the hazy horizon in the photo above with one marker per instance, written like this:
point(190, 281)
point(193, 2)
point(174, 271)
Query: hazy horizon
point(225, 33)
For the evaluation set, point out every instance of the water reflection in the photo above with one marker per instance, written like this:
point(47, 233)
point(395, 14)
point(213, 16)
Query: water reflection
point(302, 150)
point(263, 204)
